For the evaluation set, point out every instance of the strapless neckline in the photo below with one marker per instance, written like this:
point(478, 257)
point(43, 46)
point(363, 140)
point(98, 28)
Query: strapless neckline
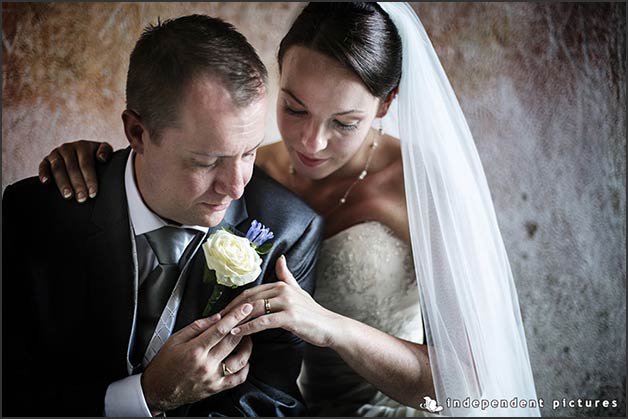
point(358, 226)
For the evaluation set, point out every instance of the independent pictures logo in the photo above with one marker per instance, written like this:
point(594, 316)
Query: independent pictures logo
point(430, 405)
point(516, 403)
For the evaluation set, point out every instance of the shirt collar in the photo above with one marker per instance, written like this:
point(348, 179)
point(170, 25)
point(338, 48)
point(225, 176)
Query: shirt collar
point(142, 218)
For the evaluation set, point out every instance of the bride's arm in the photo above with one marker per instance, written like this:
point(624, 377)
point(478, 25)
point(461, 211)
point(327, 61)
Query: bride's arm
point(73, 167)
point(398, 368)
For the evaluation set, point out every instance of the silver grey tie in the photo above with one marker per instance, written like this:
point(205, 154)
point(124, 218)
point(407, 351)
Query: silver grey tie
point(168, 243)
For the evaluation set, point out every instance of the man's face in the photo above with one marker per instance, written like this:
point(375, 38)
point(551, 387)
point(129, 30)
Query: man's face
point(197, 169)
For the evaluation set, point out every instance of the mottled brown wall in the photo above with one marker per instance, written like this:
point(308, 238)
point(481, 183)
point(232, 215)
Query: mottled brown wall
point(543, 88)
point(64, 67)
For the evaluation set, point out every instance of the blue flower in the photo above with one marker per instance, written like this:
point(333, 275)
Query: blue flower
point(258, 233)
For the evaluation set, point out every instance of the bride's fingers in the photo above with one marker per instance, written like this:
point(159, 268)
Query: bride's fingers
point(267, 303)
point(260, 291)
point(44, 171)
point(259, 306)
point(104, 152)
point(269, 321)
point(87, 166)
point(283, 273)
point(71, 166)
point(251, 295)
point(57, 167)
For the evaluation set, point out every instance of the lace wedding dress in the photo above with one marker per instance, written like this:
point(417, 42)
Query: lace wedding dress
point(366, 273)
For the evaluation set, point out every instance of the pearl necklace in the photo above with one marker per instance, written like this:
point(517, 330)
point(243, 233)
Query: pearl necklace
point(360, 177)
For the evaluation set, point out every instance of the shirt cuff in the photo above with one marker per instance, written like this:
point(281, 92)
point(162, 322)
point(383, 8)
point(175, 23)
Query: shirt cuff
point(126, 398)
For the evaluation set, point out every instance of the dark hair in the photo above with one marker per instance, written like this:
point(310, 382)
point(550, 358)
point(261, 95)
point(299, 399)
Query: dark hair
point(172, 54)
point(360, 36)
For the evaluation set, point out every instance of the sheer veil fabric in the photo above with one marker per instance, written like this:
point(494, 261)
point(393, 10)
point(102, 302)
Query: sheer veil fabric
point(473, 325)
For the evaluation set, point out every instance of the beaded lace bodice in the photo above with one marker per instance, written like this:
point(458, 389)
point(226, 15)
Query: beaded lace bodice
point(366, 273)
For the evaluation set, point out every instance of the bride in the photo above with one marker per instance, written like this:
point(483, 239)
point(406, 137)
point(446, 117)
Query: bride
point(407, 221)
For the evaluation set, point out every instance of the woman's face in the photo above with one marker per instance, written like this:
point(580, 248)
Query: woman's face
point(324, 112)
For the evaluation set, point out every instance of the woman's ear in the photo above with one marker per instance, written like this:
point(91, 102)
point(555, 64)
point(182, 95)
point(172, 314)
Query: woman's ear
point(385, 105)
point(136, 132)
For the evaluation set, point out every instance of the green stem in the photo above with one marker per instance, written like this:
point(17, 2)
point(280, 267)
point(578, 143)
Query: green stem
point(216, 294)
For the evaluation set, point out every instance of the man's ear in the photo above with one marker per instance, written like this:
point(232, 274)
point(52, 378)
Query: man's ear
point(385, 105)
point(135, 131)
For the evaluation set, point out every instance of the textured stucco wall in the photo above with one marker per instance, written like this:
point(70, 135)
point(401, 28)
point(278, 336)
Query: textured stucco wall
point(543, 87)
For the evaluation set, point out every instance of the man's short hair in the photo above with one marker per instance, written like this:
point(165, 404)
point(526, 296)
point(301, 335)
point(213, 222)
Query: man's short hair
point(172, 54)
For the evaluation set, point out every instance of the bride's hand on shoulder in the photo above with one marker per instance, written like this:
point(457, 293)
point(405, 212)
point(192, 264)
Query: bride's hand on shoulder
point(73, 168)
point(283, 304)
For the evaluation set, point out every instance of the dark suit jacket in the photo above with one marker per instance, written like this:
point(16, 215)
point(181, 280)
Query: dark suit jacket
point(68, 290)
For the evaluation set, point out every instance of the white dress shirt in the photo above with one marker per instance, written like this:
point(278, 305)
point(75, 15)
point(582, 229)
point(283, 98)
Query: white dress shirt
point(125, 397)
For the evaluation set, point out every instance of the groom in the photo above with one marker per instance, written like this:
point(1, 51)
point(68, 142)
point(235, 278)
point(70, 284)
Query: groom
point(103, 301)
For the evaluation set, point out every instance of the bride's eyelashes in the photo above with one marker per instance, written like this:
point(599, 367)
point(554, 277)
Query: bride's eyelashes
point(345, 127)
point(336, 124)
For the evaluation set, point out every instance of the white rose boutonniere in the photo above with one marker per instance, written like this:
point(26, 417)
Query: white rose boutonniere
point(235, 260)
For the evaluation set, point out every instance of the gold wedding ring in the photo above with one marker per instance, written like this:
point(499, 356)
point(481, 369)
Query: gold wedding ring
point(226, 371)
point(267, 306)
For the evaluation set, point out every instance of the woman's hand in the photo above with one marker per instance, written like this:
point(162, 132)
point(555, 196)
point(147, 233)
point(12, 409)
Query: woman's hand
point(291, 309)
point(74, 169)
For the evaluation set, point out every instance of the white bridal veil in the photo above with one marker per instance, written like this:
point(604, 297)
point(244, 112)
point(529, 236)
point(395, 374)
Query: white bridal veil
point(474, 332)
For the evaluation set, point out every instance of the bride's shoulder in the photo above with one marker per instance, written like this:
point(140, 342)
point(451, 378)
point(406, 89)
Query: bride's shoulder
point(390, 167)
point(265, 152)
point(387, 201)
point(273, 159)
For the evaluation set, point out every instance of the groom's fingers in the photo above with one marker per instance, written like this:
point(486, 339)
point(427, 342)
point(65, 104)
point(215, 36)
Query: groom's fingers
point(194, 329)
point(283, 273)
point(212, 336)
point(239, 358)
point(223, 348)
point(233, 380)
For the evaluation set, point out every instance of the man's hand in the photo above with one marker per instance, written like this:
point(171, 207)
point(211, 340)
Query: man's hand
point(189, 366)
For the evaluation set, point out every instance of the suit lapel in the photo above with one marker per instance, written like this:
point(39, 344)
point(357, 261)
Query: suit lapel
point(110, 265)
point(197, 293)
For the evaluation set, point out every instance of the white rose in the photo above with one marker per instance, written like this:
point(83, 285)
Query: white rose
point(233, 259)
